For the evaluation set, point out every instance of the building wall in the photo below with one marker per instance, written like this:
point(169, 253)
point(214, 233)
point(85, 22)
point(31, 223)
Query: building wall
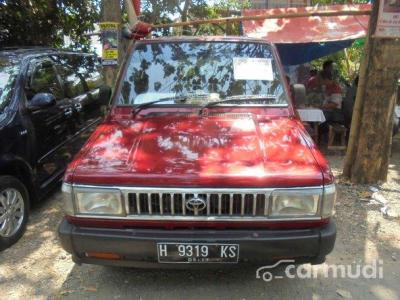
point(279, 3)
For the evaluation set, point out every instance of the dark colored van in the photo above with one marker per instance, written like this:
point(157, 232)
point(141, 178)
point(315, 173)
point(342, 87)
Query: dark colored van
point(49, 101)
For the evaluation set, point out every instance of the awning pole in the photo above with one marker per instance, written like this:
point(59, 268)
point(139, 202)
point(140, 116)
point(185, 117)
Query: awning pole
point(316, 13)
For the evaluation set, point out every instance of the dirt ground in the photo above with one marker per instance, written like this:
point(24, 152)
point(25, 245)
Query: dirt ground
point(368, 230)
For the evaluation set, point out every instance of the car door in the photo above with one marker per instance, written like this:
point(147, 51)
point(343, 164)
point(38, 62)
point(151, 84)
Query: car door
point(53, 125)
point(90, 69)
point(82, 81)
point(76, 90)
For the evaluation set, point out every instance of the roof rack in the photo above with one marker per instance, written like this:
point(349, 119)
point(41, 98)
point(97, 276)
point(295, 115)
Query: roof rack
point(26, 48)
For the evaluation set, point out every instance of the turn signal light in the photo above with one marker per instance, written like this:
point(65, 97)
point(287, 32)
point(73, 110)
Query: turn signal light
point(103, 255)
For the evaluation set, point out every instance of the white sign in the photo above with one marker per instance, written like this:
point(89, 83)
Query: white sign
point(247, 68)
point(388, 19)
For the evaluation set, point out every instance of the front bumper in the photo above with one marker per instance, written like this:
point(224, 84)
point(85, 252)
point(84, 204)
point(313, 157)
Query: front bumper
point(138, 246)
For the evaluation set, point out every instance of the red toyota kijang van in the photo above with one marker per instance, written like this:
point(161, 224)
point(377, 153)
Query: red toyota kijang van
point(202, 160)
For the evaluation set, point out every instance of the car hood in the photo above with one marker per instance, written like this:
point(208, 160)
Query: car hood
point(223, 150)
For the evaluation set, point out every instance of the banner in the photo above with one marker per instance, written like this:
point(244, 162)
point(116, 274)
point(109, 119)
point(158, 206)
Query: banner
point(109, 38)
point(388, 19)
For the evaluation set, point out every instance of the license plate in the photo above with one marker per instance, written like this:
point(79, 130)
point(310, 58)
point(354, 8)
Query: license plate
point(197, 253)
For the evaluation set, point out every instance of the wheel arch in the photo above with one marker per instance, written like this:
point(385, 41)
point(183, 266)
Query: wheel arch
point(20, 169)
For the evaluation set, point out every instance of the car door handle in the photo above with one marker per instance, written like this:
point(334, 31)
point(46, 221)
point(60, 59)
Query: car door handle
point(78, 107)
point(68, 112)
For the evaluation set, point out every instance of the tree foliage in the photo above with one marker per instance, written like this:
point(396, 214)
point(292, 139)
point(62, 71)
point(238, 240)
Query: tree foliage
point(46, 22)
point(347, 61)
point(155, 11)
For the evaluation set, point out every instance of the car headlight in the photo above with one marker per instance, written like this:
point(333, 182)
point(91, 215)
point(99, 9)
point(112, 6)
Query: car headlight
point(295, 203)
point(328, 201)
point(67, 198)
point(92, 201)
point(98, 202)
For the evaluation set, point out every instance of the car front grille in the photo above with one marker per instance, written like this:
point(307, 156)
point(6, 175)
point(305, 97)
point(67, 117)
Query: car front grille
point(201, 204)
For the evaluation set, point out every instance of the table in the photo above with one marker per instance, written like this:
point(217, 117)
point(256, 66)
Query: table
point(312, 115)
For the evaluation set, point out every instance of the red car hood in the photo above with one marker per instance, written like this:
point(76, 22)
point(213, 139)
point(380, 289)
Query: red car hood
point(225, 150)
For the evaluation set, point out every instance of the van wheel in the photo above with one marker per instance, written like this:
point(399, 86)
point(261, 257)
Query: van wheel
point(14, 210)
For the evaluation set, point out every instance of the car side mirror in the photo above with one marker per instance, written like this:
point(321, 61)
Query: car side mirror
point(41, 100)
point(299, 94)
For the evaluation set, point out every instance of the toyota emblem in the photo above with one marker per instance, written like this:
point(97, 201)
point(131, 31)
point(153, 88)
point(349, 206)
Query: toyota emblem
point(195, 204)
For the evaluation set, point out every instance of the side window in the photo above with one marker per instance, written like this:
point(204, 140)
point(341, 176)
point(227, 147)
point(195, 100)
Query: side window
point(44, 80)
point(91, 70)
point(72, 80)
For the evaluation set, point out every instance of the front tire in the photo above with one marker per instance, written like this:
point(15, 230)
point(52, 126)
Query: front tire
point(14, 210)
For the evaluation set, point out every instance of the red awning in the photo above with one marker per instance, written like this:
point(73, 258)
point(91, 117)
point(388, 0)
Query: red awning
point(307, 29)
point(136, 6)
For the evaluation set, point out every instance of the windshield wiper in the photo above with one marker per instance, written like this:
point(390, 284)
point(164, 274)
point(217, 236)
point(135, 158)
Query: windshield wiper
point(139, 107)
point(237, 98)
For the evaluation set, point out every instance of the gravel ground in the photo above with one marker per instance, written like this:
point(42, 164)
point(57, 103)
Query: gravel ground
point(38, 268)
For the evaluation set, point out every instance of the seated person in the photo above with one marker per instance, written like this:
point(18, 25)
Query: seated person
point(317, 85)
point(333, 98)
point(324, 92)
point(318, 82)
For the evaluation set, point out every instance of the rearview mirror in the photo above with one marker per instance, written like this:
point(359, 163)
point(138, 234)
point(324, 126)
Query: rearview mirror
point(42, 100)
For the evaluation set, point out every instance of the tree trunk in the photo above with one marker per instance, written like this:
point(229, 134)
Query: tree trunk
point(111, 12)
point(370, 140)
point(186, 30)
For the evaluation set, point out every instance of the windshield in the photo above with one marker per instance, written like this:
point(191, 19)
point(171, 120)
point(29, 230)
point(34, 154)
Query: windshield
point(8, 71)
point(203, 72)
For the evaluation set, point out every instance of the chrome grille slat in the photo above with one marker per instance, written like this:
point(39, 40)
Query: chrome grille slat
point(254, 205)
point(242, 204)
point(149, 203)
point(196, 211)
point(219, 204)
point(208, 204)
point(172, 203)
point(231, 204)
point(183, 204)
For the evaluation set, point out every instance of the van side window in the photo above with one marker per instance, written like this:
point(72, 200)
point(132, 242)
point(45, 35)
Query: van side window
point(44, 80)
point(72, 80)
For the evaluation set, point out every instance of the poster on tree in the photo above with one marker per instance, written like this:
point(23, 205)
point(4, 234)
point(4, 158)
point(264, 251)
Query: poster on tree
point(388, 19)
point(109, 38)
